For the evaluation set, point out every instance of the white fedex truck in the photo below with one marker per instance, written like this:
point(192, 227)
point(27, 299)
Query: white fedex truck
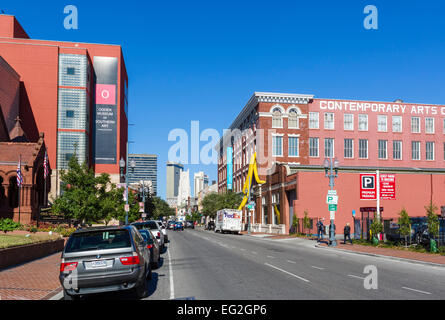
point(228, 220)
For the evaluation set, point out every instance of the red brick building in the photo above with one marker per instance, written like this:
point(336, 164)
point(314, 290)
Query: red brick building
point(75, 93)
point(294, 134)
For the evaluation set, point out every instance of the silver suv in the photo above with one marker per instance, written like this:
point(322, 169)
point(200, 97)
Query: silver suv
point(104, 259)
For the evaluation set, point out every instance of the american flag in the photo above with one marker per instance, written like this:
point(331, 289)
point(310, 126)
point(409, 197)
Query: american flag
point(19, 175)
point(45, 166)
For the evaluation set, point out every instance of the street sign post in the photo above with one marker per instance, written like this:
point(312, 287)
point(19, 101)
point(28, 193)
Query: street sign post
point(332, 207)
point(127, 208)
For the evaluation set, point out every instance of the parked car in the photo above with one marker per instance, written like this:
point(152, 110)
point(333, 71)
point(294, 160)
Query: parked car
point(190, 224)
point(103, 259)
point(179, 226)
point(164, 230)
point(171, 225)
point(154, 227)
point(153, 246)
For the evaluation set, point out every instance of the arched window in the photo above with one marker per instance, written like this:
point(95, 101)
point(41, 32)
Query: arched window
point(293, 119)
point(13, 193)
point(2, 193)
point(277, 118)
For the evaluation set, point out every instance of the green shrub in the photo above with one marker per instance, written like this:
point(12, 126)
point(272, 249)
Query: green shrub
point(66, 232)
point(7, 225)
point(33, 229)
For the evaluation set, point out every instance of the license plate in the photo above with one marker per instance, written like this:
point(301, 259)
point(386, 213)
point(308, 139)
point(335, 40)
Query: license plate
point(98, 264)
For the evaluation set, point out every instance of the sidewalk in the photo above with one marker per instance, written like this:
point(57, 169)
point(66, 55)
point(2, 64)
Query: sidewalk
point(34, 280)
point(387, 252)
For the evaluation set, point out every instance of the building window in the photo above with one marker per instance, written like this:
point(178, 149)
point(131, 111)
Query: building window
point(293, 119)
point(415, 150)
point(396, 124)
point(415, 125)
point(430, 151)
point(314, 120)
point(363, 149)
point(277, 146)
point(293, 146)
point(382, 123)
point(363, 122)
point(329, 148)
point(329, 121)
point(429, 125)
point(349, 148)
point(70, 71)
point(382, 149)
point(277, 118)
point(69, 113)
point(313, 147)
point(349, 122)
point(397, 150)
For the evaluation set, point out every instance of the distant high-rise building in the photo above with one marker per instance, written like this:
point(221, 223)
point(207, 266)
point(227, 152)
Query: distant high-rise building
point(146, 169)
point(198, 182)
point(184, 188)
point(173, 175)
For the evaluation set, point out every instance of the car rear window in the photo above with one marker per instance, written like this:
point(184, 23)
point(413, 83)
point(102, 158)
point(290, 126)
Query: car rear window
point(98, 240)
point(146, 234)
point(146, 225)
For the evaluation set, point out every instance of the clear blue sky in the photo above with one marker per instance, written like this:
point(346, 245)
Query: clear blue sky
point(202, 60)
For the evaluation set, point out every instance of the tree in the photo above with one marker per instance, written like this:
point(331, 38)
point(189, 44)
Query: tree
point(82, 191)
point(306, 222)
point(376, 228)
point(216, 201)
point(160, 208)
point(404, 225)
point(295, 224)
point(432, 220)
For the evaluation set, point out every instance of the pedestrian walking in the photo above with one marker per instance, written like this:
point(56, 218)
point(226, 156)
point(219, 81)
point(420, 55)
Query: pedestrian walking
point(347, 233)
point(320, 230)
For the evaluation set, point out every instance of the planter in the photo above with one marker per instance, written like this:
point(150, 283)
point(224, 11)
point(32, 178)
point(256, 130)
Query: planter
point(21, 254)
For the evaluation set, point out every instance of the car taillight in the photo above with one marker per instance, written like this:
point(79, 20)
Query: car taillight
point(126, 261)
point(68, 266)
point(149, 246)
point(159, 234)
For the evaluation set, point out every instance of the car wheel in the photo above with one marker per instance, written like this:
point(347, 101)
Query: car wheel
point(141, 289)
point(68, 297)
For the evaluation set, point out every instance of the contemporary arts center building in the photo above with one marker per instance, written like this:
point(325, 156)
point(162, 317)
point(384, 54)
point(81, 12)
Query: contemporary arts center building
point(75, 93)
point(294, 134)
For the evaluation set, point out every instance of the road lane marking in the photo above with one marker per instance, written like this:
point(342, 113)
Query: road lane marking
point(290, 261)
point(352, 276)
point(243, 249)
point(294, 275)
point(254, 252)
point(317, 268)
point(424, 292)
point(170, 271)
point(271, 257)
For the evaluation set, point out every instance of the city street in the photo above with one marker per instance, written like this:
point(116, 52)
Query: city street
point(203, 265)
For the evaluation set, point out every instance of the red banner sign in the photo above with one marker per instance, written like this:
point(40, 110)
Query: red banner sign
point(388, 186)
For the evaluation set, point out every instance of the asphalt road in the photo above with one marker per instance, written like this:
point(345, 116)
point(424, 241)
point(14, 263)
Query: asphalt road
point(202, 265)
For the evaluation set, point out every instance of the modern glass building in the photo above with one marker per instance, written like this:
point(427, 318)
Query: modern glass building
point(146, 169)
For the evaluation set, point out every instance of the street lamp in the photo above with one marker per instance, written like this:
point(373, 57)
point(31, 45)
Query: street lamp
point(122, 166)
point(331, 172)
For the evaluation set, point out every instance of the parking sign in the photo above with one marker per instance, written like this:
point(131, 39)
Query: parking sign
point(368, 188)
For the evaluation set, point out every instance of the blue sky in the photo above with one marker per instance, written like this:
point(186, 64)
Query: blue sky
point(202, 60)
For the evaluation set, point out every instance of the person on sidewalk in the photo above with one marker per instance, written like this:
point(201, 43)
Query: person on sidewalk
point(320, 230)
point(347, 233)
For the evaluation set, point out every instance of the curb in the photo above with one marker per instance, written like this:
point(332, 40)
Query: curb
point(57, 296)
point(384, 256)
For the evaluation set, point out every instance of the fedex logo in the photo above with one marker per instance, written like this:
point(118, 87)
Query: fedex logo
point(106, 94)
